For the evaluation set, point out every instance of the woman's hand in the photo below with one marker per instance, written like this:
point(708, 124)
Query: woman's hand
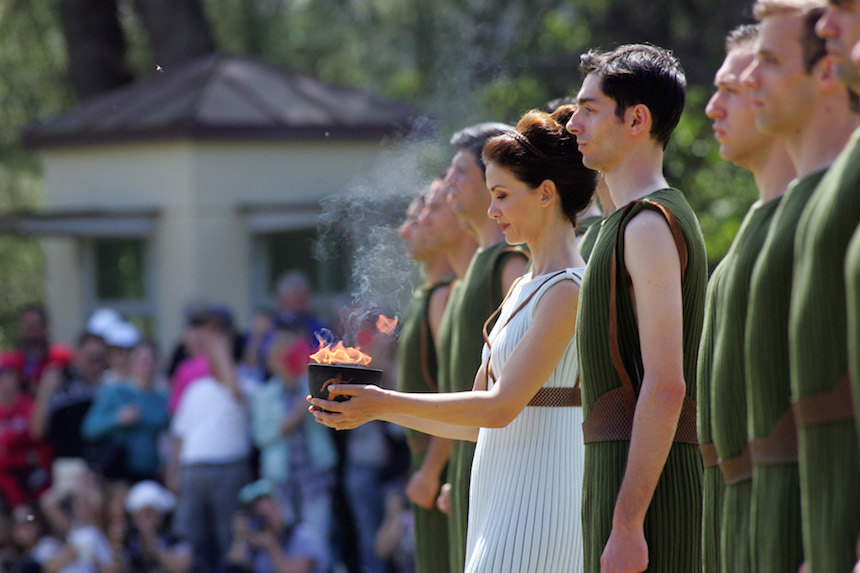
point(364, 403)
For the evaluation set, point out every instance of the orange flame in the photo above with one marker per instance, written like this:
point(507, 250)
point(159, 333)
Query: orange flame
point(386, 325)
point(340, 354)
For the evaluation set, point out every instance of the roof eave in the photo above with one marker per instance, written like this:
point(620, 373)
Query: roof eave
point(33, 139)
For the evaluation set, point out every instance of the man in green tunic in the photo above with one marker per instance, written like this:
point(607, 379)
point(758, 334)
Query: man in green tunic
point(725, 406)
point(492, 270)
point(721, 350)
point(642, 486)
point(799, 102)
point(828, 443)
point(417, 372)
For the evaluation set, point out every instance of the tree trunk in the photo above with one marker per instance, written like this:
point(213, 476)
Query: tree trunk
point(95, 46)
point(178, 30)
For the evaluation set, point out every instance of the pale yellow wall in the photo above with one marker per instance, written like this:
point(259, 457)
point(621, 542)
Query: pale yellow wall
point(201, 246)
point(64, 288)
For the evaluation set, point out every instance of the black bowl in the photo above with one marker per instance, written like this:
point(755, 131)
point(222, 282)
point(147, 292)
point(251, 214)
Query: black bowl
point(321, 376)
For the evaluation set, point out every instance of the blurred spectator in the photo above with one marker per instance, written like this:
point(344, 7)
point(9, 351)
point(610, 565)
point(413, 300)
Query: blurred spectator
point(267, 539)
point(211, 461)
point(32, 540)
point(65, 395)
point(150, 547)
point(120, 338)
point(34, 348)
point(297, 453)
point(294, 294)
point(367, 457)
point(197, 365)
point(395, 540)
point(194, 365)
point(129, 416)
point(24, 462)
point(253, 359)
point(74, 513)
point(8, 553)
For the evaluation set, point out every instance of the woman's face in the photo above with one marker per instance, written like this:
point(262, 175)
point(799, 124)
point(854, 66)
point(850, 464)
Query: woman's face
point(143, 362)
point(148, 519)
point(517, 208)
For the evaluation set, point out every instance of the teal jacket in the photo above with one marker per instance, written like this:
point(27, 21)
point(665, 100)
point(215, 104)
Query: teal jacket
point(141, 439)
point(268, 409)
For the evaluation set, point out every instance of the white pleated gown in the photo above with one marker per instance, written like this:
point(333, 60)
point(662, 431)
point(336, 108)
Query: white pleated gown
point(526, 488)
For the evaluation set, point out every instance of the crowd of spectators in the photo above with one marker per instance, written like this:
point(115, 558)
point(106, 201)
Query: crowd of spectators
point(116, 457)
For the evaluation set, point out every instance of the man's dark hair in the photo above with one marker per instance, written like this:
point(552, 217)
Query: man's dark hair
point(474, 137)
point(87, 336)
point(742, 36)
point(636, 74)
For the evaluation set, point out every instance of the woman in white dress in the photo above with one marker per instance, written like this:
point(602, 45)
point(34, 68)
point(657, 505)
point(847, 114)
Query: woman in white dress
point(523, 410)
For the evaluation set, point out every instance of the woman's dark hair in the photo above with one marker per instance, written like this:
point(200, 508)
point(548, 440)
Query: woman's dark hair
point(540, 148)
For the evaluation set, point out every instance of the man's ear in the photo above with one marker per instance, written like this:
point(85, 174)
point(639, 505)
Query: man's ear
point(638, 119)
point(824, 73)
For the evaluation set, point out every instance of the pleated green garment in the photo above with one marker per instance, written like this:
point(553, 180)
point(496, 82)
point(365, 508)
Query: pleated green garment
point(590, 229)
point(775, 520)
point(713, 486)
point(417, 372)
point(470, 303)
point(818, 333)
point(728, 383)
point(674, 518)
point(852, 286)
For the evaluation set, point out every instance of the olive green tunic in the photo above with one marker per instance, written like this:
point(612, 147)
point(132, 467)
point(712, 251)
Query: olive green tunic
point(728, 383)
point(818, 332)
point(673, 521)
point(775, 521)
point(852, 285)
point(470, 303)
point(713, 486)
point(417, 372)
point(588, 229)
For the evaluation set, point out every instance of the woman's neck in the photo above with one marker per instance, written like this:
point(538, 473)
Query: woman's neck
point(555, 249)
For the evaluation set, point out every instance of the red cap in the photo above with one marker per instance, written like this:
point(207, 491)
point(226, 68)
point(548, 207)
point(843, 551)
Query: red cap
point(60, 356)
point(296, 357)
point(11, 360)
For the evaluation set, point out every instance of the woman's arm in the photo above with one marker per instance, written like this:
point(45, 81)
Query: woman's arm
point(528, 367)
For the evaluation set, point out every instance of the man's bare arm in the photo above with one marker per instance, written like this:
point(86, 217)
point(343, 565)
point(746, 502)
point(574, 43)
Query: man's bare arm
point(651, 258)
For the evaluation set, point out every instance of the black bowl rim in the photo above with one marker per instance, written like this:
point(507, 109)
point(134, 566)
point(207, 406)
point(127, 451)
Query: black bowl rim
point(345, 366)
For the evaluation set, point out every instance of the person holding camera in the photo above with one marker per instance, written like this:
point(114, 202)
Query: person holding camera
point(267, 540)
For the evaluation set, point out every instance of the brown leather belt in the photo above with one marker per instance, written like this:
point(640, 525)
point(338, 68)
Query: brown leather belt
point(609, 420)
point(556, 398)
point(710, 459)
point(825, 407)
point(737, 469)
point(779, 446)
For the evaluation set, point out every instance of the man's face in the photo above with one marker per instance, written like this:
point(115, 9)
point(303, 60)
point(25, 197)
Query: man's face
point(731, 110)
point(443, 226)
point(91, 359)
point(411, 230)
point(599, 132)
point(783, 93)
point(839, 27)
point(467, 190)
point(32, 328)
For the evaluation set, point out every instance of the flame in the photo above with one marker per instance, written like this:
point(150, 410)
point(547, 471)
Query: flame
point(386, 325)
point(340, 354)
